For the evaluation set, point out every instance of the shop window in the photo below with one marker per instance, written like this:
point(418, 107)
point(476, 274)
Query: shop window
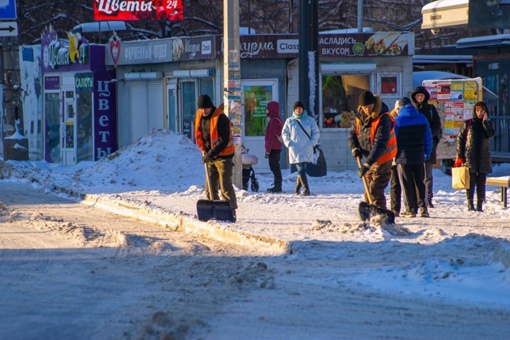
point(389, 85)
point(84, 128)
point(52, 127)
point(340, 98)
point(255, 101)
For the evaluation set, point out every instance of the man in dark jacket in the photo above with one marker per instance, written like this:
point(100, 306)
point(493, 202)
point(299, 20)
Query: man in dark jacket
point(420, 97)
point(373, 137)
point(414, 141)
point(214, 138)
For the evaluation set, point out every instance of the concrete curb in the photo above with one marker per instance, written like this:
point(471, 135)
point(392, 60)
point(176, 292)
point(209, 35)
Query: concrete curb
point(181, 221)
point(155, 215)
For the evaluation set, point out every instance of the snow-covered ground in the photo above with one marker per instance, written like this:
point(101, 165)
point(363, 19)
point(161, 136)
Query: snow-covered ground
point(453, 257)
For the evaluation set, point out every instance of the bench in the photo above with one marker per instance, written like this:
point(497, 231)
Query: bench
point(503, 183)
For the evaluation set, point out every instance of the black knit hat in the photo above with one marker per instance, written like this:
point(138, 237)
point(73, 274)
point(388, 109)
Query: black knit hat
point(366, 98)
point(204, 102)
point(299, 104)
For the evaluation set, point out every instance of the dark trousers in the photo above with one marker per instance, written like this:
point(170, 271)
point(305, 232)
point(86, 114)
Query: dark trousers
point(429, 180)
point(395, 190)
point(220, 176)
point(274, 166)
point(378, 177)
point(478, 180)
point(413, 186)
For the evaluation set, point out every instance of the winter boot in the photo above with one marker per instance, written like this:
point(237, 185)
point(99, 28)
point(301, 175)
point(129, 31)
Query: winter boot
point(479, 205)
point(297, 191)
point(469, 195)
point(480, 196)
point(470, 205)
point(275, 189)
point(304, 181)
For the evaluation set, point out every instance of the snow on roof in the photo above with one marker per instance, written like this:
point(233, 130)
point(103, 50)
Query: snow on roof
point(444, 4)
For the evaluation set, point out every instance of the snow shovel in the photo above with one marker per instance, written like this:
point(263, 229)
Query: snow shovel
point(369, 210)
point(214, 209)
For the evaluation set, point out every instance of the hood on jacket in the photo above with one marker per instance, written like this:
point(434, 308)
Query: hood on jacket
point(273, 109)
point(408, 111)
point(420, 89)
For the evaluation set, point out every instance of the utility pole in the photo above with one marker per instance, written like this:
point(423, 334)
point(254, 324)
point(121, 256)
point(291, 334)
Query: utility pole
point(232, 81)
point(309, 55)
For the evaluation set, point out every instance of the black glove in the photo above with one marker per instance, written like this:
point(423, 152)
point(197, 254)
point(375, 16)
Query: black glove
point(356, 153)
point(207, 158)
point(267, 154)
point(363, 170)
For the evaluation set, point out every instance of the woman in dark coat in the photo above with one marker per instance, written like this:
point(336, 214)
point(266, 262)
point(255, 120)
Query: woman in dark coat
point(473, 149)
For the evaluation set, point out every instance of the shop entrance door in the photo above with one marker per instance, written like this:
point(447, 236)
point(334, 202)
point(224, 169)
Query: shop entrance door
point(68, 131)
point(171, 115)
point(257, 93)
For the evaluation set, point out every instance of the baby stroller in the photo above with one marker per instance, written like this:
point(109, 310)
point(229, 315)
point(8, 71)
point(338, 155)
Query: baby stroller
point(248, 173)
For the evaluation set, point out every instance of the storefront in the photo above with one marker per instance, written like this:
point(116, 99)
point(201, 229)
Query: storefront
point(159, 82)
point(79, 101)
point(349, 64)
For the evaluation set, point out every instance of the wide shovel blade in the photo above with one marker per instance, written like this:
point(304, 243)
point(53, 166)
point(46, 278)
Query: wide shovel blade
point(367, 211)
point(215, 210)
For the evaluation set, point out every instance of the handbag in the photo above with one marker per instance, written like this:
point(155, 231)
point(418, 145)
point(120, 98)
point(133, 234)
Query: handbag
point(460, 175)
point(320, 167)
point(460, 178)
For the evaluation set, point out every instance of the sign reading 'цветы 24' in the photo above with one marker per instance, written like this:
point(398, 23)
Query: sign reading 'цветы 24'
point(137, 10)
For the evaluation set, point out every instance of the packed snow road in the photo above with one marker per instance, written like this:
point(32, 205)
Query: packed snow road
point(74, 271)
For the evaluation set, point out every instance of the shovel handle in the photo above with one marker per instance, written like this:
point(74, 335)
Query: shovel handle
point(365, 184)
point(207, 182)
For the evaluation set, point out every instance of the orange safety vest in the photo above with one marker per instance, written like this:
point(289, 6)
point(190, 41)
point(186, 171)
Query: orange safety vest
point(391, 147)
point(230, 149)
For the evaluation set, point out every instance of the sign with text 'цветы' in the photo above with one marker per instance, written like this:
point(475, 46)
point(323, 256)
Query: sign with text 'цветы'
point(138, 10)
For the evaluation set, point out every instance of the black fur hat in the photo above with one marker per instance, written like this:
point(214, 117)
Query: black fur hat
point(204, 102)
point(366, 98)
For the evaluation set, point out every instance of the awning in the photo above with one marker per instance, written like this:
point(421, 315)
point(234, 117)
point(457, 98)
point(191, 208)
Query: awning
point(445, 13)
point(484, 41)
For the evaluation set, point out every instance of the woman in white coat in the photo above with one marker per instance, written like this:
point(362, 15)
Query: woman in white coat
point(300, 134)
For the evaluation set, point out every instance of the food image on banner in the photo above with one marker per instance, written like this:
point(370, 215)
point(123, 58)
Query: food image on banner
point(397, 46)
point(381, 41)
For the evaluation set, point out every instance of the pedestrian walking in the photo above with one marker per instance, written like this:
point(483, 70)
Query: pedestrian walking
point(473, 150)
point(300, 134)
point(420, 97)
point(214, 137)
point(372, 137)
point(414, 141)
point(273, 144)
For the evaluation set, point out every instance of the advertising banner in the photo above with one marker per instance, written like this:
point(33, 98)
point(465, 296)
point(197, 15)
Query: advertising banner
point(138, 10)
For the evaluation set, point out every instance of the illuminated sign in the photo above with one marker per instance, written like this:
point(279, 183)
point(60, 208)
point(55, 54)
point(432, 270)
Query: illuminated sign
point(136, 10)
